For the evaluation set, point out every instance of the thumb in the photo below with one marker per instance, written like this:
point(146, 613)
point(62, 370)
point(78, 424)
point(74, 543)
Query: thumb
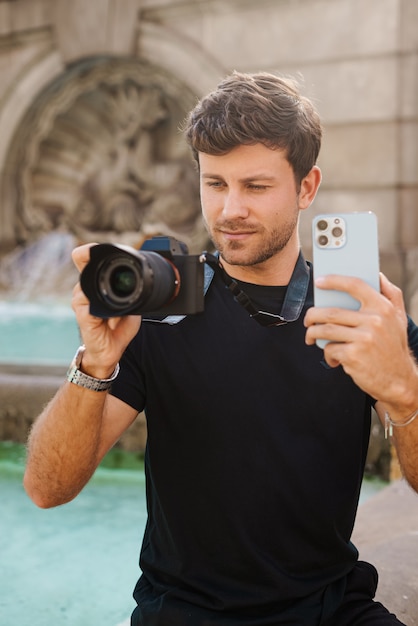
point(81, 255)
point(393, 294)
point(113, 322)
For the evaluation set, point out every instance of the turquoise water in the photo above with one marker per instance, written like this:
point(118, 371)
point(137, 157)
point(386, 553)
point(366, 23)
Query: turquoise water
point(76, 564)
point(37, 333)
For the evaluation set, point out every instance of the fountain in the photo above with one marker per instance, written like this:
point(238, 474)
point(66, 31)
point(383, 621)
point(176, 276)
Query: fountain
point(37, 325)
point(98, 157)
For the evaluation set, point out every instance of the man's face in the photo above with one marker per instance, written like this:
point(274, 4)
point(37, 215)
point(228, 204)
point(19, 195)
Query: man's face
point(250, 203)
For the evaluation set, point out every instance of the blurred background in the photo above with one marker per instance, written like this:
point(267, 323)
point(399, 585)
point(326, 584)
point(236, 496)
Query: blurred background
point(92, 95)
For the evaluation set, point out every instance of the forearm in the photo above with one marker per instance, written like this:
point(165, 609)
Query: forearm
point(76, 429)
point(406, 443)
point(64, 446)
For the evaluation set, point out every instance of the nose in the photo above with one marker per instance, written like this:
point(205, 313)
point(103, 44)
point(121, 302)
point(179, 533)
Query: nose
point(235, 206)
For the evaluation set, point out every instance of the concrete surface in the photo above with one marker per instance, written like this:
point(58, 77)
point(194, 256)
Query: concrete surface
point(386, 534)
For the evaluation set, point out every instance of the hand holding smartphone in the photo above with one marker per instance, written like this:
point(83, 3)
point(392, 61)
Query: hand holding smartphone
point(345, 244)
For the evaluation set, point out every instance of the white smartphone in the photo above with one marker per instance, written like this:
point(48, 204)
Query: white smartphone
point(344, 244)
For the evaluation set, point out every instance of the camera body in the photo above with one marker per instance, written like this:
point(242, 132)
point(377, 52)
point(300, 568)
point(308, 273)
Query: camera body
point(158, 280)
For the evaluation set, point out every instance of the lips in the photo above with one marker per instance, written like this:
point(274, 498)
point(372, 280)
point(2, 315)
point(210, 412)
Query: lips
point(235, 232)
point(236, 235)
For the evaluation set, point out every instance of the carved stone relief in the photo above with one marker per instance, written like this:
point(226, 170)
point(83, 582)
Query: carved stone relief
point(101, 152)
point(100, 155)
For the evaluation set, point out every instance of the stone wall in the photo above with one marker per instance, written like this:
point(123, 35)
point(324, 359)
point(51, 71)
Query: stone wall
point(358, 61)
point(26, 390)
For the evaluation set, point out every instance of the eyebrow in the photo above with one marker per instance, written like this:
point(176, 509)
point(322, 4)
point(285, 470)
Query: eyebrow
point(247, 179)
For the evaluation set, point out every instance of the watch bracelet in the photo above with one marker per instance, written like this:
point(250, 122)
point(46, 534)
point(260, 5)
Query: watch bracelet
point(77, 377)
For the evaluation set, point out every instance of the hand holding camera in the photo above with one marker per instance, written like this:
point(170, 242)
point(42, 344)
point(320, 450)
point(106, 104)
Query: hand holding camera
point(105, 339)
point(159, 279)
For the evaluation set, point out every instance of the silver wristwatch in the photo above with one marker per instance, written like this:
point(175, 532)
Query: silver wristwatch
point(76, 376)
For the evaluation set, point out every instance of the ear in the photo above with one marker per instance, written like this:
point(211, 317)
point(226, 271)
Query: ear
point(308, 187)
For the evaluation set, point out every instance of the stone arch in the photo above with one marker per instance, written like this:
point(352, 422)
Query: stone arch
point(98, 153)
point(13, 111)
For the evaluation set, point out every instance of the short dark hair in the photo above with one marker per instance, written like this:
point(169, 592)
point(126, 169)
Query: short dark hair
point(246, 109)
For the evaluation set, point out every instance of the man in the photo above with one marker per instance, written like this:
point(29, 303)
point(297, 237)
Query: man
point(256, 437)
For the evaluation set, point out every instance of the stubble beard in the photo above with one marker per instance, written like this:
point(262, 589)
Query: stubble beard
point(243, 253)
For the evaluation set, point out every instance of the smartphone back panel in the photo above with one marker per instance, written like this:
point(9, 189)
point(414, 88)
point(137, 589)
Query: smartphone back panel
point(345, 244)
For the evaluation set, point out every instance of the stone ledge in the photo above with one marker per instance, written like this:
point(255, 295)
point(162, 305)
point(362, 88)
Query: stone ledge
point(386, 534)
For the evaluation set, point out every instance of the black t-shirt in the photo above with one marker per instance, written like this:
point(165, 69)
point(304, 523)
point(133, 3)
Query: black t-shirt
point(254, 463)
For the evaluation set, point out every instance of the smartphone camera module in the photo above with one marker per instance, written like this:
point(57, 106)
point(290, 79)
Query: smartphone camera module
point(330, 233)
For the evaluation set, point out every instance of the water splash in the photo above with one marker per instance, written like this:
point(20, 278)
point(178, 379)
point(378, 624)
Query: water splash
point(41, 270)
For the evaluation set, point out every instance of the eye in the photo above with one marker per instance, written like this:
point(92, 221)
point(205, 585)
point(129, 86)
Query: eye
point(255, 187)
point(215, 184)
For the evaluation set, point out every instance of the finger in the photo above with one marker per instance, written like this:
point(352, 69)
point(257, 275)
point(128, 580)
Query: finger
point(337, 333)
point(81, 255)
point(331, 315)
point(329, 358)
point(356, 287)
point(391, 292)
point(79, 298)
point(124, 328)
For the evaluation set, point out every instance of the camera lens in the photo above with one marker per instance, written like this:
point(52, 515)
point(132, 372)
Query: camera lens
point(337, 231)
point(322, 240)
point(122, 281)
point(322, 225)
point(147, 281)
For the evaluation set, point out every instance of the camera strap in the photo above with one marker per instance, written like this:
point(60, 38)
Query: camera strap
point(293, 302)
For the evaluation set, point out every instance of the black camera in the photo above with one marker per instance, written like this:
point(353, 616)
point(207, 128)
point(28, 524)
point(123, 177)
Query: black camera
point(160, 279)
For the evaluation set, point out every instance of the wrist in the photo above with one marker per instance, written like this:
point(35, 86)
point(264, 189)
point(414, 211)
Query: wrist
point(91, 367)
point(390, 423)
point(404, 402)
point(79, 377)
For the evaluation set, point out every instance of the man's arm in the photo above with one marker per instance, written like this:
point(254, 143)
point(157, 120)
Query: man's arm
point(68, 441)
point(78, 427)
point(405, 438)
point(371, 344)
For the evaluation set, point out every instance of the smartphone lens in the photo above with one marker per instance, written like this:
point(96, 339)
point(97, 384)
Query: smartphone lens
point(322, 240)
point(322, 225)
point(337, 231)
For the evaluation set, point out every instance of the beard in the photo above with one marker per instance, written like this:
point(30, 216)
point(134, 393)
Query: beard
point(261, 247)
